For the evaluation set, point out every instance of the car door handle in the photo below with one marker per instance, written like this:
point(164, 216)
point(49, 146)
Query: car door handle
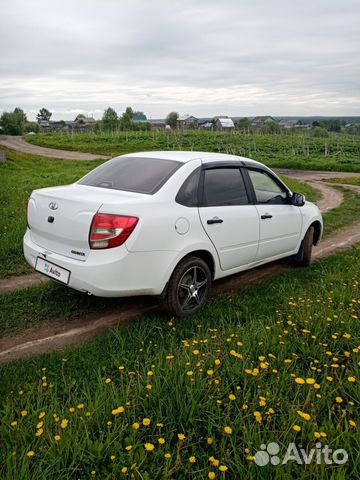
point(214, 220)
point(265, 216)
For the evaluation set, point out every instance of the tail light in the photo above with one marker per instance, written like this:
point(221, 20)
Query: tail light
point(27, 213)
point(108, 231)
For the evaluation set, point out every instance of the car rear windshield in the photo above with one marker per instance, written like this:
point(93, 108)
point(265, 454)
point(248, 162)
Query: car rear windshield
point(132, 174)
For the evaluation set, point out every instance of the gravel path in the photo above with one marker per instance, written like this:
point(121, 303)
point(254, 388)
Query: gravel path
point(21, 145)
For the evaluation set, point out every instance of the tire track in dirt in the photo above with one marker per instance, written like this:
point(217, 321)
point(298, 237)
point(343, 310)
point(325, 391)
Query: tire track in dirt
point(60, 334)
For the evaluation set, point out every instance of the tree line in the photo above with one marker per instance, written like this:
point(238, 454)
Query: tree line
point(16, 123)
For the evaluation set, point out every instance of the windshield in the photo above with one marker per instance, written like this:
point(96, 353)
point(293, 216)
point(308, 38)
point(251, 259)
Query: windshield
point(132, 174)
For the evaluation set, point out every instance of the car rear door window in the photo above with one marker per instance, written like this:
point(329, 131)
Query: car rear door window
point(132, 174)
point(224, 186)
point(267, 190)
point(188, 193)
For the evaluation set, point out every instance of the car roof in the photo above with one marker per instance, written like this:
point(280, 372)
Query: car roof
point(184, 156)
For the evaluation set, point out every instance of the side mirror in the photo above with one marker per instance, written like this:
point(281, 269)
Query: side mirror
point(298, 200)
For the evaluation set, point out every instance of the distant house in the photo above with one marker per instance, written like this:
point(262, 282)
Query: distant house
point(262, 121)
point(84, 123)
point(223, 123)
point(139, 117)
point(293, 123)
point(44, 126)
point(206, 125)
point(187, 121)
point(157, 124)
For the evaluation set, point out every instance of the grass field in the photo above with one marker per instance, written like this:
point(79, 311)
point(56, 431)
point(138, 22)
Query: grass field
point(345, 181)
point(24, 173)
point(195, 399)
point(338, 152)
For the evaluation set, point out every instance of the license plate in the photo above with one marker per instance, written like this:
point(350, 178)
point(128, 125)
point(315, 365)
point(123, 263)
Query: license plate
point(52, 270)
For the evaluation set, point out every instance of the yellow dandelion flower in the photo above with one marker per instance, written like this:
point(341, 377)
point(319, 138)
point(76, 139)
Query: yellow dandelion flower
point(124, 470)
point(228, 430)
point(167, 456)
point(14, 423)
point(161, 441)
point(128, 448)
point(250, 458)
point(30, 453)
point(80, 406)
point(210, 441)
point(118, 411)
point(72, 409)
point(64, 423)
point(211, 475)
point(41, 415)
point(217, 362)
point(149, 447)
point(146, 422)
point(304, 415)
point(181, 437)
point(352, 423)
point(39, 432)
point(192, 459)
point(108, 380)
point(339, 400)
point(232, 397)
point(210, 372)
point(310, 381)
point(351, 379)
point(136, 426)
point(23, 413)
point(223, 468)
point(57, 438)
point(297, 428)
point(299, 381)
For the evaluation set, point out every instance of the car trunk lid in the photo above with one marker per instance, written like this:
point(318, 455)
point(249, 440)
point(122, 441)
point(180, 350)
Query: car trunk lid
point(60, 217)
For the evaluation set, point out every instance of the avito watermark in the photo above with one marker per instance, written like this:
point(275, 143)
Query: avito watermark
point(320, 454)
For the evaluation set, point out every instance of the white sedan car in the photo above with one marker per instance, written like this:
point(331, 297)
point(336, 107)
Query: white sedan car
point(167, 224)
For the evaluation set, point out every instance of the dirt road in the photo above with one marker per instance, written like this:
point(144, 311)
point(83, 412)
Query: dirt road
point(21, 145)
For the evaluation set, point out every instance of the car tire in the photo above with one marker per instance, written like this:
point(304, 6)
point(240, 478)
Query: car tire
point(303, 257)
point(188, 288)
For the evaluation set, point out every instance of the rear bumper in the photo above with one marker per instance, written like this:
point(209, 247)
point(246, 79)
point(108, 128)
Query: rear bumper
point(114, 272)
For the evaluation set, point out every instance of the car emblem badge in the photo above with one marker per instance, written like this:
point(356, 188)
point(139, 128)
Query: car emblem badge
point(53, 206)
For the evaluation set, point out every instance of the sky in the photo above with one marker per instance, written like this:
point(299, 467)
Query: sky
point(204, 57)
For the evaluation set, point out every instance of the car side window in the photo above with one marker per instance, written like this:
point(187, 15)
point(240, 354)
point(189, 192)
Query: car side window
point(224, 186)
point(188, 193)
point(266, 188)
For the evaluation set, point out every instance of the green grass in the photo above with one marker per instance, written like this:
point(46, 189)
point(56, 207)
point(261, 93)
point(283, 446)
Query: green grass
point(305, 326)
point(23, 173)
point(344, 215)
point(339, 152)
point(345, 181)
point(19, 176)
